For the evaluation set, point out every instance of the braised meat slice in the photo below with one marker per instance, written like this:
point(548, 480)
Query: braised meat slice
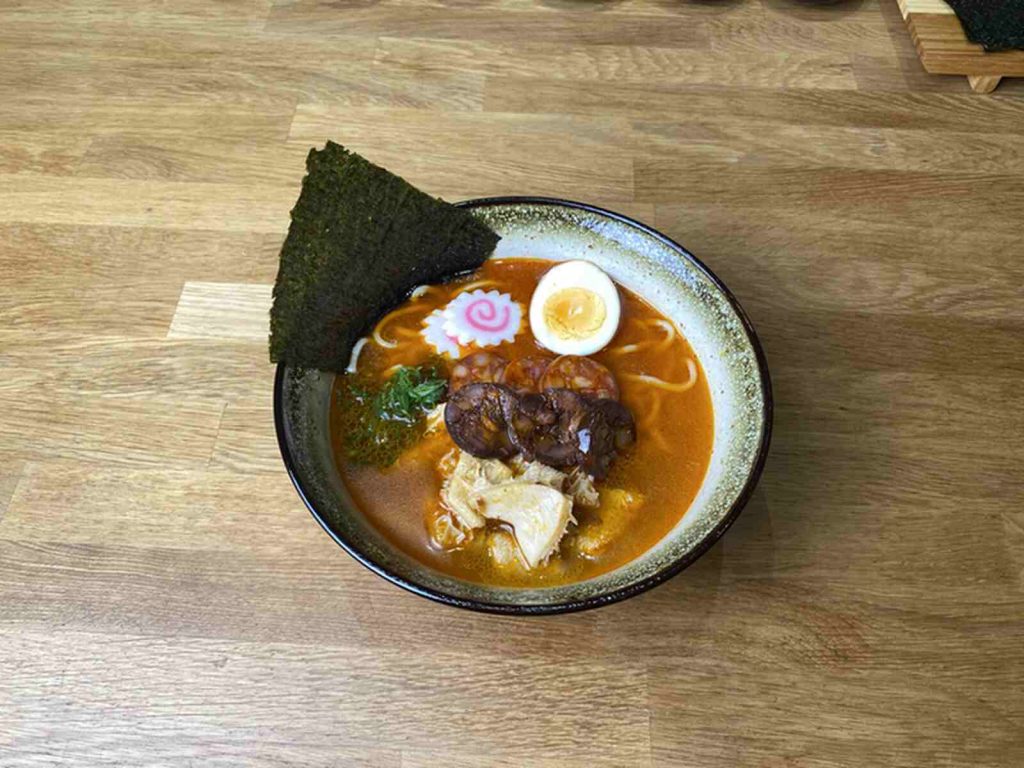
point(557, 427)
point(475, 418)
point(563, 429)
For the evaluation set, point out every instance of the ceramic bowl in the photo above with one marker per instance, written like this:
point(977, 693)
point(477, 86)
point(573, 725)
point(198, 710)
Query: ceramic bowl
point(667, 276)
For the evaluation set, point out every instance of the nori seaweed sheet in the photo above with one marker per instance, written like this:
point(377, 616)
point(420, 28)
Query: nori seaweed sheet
point(996, 24)
point(360, 239)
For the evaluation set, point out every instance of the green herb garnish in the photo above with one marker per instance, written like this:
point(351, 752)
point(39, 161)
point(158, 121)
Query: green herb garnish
point(409, 393)
point(378, 423)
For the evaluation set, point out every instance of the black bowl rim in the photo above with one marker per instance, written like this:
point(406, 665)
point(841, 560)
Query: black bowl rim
point(621, 593)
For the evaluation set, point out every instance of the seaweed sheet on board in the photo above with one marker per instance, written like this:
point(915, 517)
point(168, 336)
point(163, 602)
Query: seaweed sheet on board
point(995, 24)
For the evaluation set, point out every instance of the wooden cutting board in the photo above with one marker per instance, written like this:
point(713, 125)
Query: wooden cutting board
point(945, 50)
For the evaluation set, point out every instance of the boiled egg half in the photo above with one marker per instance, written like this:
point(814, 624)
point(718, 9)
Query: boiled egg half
point(575, 309)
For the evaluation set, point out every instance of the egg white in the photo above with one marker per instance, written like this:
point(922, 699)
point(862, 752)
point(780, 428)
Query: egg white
point(575, 274)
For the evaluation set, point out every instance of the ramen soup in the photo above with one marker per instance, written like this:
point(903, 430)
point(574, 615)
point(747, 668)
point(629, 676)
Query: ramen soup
point(535, 424)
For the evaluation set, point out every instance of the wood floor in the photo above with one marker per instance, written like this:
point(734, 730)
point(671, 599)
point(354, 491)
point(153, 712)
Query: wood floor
point(165, 599)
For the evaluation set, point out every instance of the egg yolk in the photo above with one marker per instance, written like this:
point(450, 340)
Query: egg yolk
point(574, 313)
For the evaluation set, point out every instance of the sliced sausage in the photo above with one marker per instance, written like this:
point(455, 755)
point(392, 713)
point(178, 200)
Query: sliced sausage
point(540, 426)
point(611, 431)
point(563, 429)
point(524, 374)
point(475, 418)
point(581, 374)
point(478, 367)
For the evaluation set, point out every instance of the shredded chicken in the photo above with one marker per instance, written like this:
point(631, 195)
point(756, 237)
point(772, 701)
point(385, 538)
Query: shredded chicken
point(580, 486)
point(539, 516)
point(444, 531)
point(577, 484)
point(534, 499)
point(536, 472)
point(460, 492)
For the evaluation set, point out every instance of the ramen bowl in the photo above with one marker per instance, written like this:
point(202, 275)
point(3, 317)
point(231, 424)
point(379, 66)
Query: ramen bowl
point(667, 276)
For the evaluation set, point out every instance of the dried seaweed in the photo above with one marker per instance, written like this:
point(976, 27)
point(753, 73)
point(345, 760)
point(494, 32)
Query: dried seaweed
point(360, 239)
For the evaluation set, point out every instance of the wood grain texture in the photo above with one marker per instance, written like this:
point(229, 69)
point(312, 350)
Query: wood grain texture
point(984, 83)
point(165, 598)
point(222, 311)
point(925, 6)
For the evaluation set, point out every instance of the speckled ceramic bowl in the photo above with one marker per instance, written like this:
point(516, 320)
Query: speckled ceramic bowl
point(667, 276)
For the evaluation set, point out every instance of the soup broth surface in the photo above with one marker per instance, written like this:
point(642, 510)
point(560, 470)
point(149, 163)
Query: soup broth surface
point(659, 476)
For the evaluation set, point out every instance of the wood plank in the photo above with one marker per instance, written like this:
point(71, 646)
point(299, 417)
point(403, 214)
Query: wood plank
point(107, 430)
point(260, 71)
point(222, 311)
point(10, 479)
point(910, 195)
point(37, 152)
point(545, 155)
point(826, 333)
point(875, 74)
point(752, 34)
point(244, 443)
point(163, 116)
point(235, 16)
point(455, 22)
point(199, 509)
point(174, 158)
point(738, 106)
point(207, 372)
point(876, 149)
point(633, 8)
point(218, 678)
point(124, 282)
point(30, 254)
point(612, 63)
point(160, 205)
point(780, 261)
point(891, 734)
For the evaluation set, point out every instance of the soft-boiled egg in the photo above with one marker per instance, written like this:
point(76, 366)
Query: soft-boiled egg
point(575, 309)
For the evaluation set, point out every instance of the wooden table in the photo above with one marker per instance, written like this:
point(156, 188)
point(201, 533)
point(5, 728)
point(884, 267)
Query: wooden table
point(165, 599)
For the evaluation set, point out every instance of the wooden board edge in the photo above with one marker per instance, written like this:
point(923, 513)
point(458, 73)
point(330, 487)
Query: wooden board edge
point(944, 49)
